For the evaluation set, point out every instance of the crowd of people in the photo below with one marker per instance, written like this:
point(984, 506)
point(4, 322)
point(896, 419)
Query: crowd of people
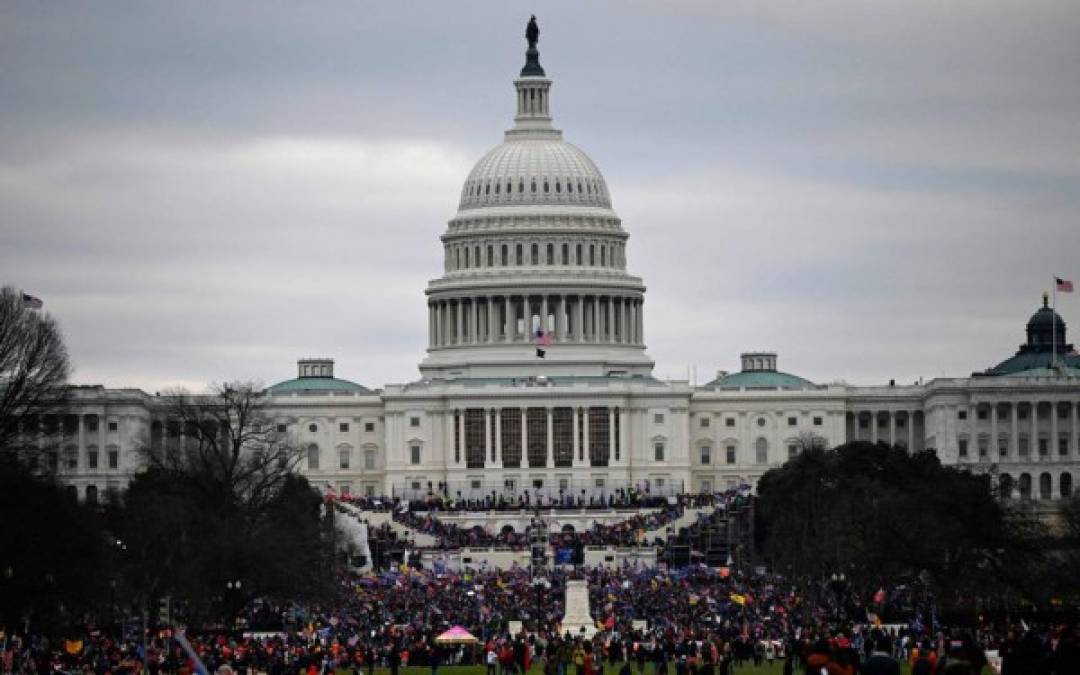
point(695, 621)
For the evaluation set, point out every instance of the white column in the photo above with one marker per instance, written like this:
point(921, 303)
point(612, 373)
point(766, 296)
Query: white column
point(993, 449)
point(438, 323)
point(579, 319)
point(577, 450)
point(544, 313)
point(461, 436)
point(498, 438)
point(509, 319)
point(611, 435)
point(911, 431)
point(586, 457)
point(526, 306)
point(489, 454)
point(459, 321)
point(1072, 423)
point(560, 319)
point(80, 432)
point(1033, 444)
point(640, 327)
point(1053, 444)
point(892, 429)
point(610, 319)
point(873, 427)
point(1014, 439)
point(548, 458)
point(493, 324)
point(524, 440)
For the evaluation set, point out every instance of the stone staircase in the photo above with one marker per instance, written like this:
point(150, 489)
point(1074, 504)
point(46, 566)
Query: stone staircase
point(378, 518)
point(688, 518)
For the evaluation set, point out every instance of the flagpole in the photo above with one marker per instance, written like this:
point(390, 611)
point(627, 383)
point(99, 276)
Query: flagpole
point(1053, 329)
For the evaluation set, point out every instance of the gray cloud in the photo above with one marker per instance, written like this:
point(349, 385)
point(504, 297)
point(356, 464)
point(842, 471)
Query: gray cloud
point(875, 191)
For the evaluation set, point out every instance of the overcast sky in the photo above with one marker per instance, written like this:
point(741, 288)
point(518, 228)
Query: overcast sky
point(208, 191)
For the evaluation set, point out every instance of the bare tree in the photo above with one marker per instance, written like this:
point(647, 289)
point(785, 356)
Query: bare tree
point(34, 364)
point(226, 445)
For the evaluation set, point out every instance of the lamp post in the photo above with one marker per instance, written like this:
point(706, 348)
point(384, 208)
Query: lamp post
point(232, 593)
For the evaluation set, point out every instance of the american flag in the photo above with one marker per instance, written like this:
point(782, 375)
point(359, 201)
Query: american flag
point(31, 302)
point(1063, 285)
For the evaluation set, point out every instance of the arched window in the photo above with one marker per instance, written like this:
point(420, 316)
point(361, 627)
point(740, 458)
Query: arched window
point(535, 257)
point(476, 256)
point(761, 451)
point(603, 256)
point(580, 260)
point(558, 187)
point(569, 186)
point(497, 187)
point(1065, 485)
point(566, 254)
point(1005, 486)
point(1025, 486)
point(509, 187)
point(1045, 486)
point(547, 188)
point(491, 256)
point(457, 258)
point(592, 255)
point(533, 187)
point(521, 186)
point(487, 188)
point(520, 255)
point(466, 258)
point(313, 456)
point(551, 254)
point(504, 255)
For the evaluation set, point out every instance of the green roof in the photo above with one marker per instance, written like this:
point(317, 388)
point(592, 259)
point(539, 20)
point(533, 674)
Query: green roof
point(760, 379)
point(317, 385)
point(1025, 363)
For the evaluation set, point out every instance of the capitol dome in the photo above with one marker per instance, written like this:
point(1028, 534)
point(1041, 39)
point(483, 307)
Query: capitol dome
point(525, 171)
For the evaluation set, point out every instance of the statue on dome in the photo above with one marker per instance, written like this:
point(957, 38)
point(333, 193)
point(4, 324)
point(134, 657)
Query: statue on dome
point(532, 32)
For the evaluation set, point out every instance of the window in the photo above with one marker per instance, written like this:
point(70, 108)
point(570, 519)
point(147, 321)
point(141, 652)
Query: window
point(92, 458)
point(580, 260)
point(520, 255)
point(415, 485)
point(535, 257)
point(313, 428)
point(369, 459)
point(961, 414)
point(91, 422)
point(113, 426)
point(963, 447)
point(281, 428)
point(704, 422)
point(475, 484)
point(343, 427)
point(566, 254)
point(1063, 446)
point(792, 450)
point(658, 452)
point(551, 254)
point(114, 458)
point(369, 427)
point(981, 414)
point(706, 454)
point(1044, 447)
point(658, 418)
point(504, 255)
point(817, 421)
point(491, 256)
point(313, 456)
point(413, 422)
point(791, 421)
point(344, 455)
point(729, 421)
point(414, 454)
point(730, 450)
point(984, 448)
point(761, 421)
point(761, 451)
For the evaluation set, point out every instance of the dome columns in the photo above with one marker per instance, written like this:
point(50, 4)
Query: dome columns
point(574, 318)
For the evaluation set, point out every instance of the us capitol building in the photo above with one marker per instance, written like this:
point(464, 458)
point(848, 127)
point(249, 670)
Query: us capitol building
point(534, 253)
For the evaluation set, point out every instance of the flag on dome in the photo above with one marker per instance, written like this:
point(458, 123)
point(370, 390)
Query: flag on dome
point(32, 302)
point(1063, 285)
